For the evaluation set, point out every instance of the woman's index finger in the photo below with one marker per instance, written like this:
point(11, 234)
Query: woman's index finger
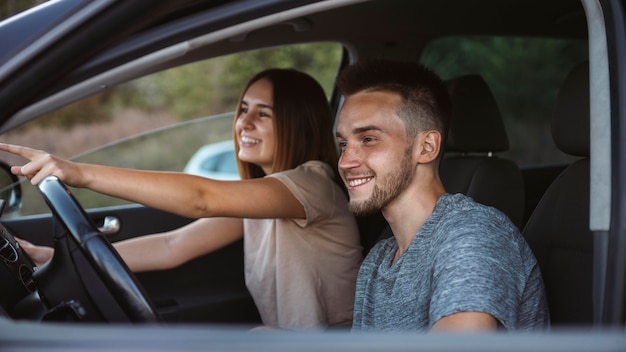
point(24, 152)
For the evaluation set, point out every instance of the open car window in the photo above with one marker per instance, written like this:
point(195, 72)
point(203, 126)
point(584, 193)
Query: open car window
point(159, 121)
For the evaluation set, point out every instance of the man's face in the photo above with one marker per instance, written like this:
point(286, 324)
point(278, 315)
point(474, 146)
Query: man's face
point(376, 161)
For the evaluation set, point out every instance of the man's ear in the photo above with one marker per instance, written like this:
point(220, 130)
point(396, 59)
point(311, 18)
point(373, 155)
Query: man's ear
point(427, 146)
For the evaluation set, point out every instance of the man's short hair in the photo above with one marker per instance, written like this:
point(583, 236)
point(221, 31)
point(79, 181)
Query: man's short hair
point(426, 103)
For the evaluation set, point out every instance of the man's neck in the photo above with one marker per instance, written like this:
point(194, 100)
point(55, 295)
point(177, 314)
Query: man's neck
point(409, 211)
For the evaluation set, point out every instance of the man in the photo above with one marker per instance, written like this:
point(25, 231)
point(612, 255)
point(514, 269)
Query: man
point(452, 264)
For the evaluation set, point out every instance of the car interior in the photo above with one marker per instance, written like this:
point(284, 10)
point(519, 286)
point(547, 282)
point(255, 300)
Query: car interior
point(548, 201)
point(558, 230)
point(472, 165)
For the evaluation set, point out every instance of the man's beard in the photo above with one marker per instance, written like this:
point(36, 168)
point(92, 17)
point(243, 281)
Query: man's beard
point(388, 189)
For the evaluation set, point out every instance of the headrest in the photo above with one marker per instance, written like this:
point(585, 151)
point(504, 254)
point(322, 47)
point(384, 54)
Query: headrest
point(570, 119)
point(476, 124)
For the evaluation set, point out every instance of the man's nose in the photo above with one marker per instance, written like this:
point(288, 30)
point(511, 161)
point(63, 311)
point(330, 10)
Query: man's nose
point(349, 158)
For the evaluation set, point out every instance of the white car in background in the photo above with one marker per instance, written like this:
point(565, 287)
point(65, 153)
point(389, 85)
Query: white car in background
point(215, 160)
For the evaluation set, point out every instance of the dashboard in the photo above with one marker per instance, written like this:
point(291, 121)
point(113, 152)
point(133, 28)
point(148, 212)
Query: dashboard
point(16, 271)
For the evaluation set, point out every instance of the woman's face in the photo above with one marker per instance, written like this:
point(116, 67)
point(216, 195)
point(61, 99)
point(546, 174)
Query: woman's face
point(255, 128)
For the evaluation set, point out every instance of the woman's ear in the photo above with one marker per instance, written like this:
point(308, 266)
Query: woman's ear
point(428, 145)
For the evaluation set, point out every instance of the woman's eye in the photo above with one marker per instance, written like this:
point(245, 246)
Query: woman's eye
point(244, 110)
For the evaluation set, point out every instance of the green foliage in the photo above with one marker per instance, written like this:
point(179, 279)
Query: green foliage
point(87, 111)
point(213, 86)
point(199, 89)
point(514, 68)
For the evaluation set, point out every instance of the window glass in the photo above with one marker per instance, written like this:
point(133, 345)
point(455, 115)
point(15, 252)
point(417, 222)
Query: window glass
point(159, 121)
point(524, 75)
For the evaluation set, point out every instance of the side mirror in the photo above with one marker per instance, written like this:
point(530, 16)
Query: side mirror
point(10, 189)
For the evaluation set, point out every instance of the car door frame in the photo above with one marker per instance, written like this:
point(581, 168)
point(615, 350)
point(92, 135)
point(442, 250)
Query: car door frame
point(610, 249)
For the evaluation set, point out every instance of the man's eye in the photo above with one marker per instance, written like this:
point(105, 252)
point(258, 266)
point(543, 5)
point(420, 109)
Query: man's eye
point(368, 139)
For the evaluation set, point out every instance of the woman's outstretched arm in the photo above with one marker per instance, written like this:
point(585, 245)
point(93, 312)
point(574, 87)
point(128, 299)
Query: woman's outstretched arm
point(183, 194)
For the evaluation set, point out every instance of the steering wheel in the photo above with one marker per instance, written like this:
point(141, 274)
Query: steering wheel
point(98, 251)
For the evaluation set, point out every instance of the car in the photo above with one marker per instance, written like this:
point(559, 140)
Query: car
point(215, 160)
point(146, 84)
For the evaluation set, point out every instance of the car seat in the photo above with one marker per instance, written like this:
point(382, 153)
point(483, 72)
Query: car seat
point(476, 133)
point(558, 230)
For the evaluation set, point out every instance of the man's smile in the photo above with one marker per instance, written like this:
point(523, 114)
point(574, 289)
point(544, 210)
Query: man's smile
point(355, 182)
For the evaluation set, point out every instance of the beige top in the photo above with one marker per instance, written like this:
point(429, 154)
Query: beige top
point(302, 272)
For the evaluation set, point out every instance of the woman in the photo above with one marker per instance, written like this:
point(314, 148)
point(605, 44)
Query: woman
point(301, 244)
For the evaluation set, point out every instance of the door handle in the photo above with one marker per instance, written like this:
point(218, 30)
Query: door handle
point(111, 226)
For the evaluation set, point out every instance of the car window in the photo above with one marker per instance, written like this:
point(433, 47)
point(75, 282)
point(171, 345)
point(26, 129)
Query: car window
point(524, 75)
point(158, 122)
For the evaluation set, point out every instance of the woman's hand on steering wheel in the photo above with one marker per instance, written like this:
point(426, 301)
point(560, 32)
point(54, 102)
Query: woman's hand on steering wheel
point(39, 254)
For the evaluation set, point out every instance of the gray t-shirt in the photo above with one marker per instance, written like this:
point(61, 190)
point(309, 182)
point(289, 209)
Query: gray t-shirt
point(466, 257)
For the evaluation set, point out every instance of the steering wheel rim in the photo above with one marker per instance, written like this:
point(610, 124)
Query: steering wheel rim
point(99, 252)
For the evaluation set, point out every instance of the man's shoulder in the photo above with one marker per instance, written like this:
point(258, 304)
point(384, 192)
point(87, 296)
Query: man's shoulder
point(460, 222)
point(464, 212)
point(460, 202)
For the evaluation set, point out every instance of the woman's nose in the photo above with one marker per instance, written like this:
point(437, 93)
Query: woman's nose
point(245, 121)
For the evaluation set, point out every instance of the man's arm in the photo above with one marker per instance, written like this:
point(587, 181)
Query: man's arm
point(466, 322)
